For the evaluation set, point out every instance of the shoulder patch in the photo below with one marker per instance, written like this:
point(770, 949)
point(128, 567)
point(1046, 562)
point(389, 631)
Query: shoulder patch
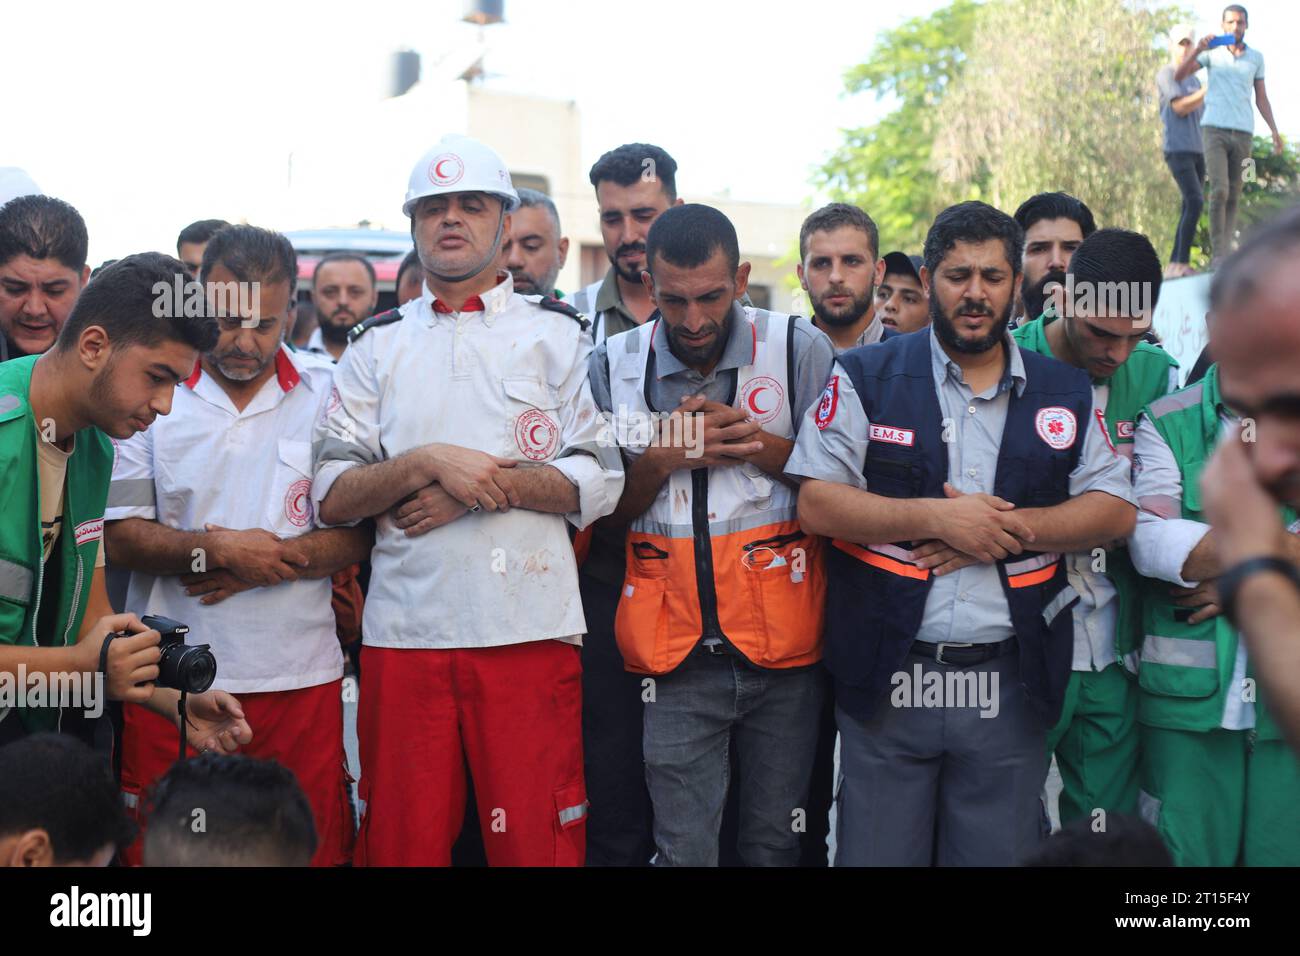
point(365, 325)
point(9, 403)
point(1176, 401)
point(555, 305)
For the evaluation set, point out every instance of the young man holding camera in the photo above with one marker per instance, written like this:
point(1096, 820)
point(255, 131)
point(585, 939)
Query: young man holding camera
point(111, 372)
point(235, 460)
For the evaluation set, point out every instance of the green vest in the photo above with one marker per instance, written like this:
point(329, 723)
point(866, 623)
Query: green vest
point(27, 586)
point(1186, 673)
point(1138, 382)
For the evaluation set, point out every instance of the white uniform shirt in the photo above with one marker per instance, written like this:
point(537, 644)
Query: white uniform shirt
point(510, 380)
point(1163, 539)
point(208, 463)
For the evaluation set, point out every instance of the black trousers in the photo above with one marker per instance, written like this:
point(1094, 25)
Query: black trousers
point(619, 820)
point(1189, 173)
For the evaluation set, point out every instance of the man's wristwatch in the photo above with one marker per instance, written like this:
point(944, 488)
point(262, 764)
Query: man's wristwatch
point(1230, 582)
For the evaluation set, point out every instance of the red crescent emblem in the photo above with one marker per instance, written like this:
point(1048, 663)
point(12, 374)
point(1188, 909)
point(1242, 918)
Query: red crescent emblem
point(536, 435)
point(297, 503)
point(446, 169)
point(768, 409)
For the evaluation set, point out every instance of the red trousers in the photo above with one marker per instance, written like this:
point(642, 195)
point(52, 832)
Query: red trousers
point(301, 729)
point(514, 713)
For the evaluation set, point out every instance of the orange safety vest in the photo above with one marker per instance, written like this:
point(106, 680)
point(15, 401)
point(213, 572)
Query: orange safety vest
point(720, 552)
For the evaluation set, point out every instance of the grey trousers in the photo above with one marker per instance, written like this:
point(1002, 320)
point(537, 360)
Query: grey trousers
point(1225, 152)
point(941, 785)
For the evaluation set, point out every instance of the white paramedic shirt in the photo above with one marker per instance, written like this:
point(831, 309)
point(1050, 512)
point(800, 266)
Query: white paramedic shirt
point(509, 379)
point(208, 463)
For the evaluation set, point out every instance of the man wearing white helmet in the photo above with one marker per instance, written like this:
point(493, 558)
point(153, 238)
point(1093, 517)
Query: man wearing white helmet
point(464, 425)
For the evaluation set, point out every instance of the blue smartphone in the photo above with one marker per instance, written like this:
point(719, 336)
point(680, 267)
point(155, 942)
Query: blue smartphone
point(1226, 39)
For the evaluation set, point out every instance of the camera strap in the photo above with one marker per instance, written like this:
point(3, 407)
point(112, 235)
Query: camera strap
point(103, 654)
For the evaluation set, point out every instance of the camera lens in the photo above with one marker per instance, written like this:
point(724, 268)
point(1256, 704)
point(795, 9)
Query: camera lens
point(187, 667)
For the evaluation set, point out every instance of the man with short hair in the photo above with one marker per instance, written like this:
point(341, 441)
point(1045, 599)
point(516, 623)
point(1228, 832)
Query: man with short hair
point(1054, 225)
point(343, 292)
point(247, 571)
point(59, 805)
point(1181, 106)
point(982, 463)
point(1228, 123)
point(410, 278)
point(634, 184)
point(42, 270)
point(902, 302)
point(473, 619)
point(1105, 306)
point(535, 252)
point(254, 814)
point(838, 269)
point(1256, 327)
point(712, 535)
point(1217, 778)
point(112, 371)
point(193, 240)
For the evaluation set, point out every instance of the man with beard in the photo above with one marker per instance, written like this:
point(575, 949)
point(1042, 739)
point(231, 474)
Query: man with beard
point(1096, 740)
point(473, 621)
point(111, 373)
point(211, 511)
point(343, 292)
point(723, 599)
point(1218, 780)
point(838, 269)
point(42, 271)
point(901, 301)
point(1054, 225)
point(982, 463)
point(634, 184)
point(535, 252)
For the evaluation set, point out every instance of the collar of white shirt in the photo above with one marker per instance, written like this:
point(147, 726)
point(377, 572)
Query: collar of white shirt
point(288, 375)
point(494, 300)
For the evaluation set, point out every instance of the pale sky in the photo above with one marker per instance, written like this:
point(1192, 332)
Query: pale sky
point(147, 115)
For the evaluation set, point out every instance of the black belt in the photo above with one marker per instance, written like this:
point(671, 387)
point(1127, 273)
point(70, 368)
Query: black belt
point(962, 655)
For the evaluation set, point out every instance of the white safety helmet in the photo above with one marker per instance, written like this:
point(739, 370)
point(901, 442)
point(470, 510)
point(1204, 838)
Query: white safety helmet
point(459, 164)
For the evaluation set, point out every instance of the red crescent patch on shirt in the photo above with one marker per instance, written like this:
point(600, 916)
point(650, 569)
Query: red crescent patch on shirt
point(830, 400)
point(536, 435)
point(297, 503)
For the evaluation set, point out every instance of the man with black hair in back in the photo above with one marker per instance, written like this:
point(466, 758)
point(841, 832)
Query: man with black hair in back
point(254, 814)
point(838, 268)
point(1104, 304)
point(953, 469)
point(42, 271)
point(344, 291)
point(634, 184)
point(59, 805)
point(1054, 225)
point(535, 250)
point(410, 278)
point(193, 240)
point(712, 537)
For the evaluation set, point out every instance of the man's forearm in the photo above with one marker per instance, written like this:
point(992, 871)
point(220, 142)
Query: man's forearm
point(44, 660)
point(1189, 103)
point(368, 490)
point(641, 485)
point(1093, 519)
point(333, 549)
point(1266, 111)
point(1268, 609)
point(772, 459)
point(142, 544)
point(842, 511)
point(543, 488)
point(1203, 562)
point(1186, 68)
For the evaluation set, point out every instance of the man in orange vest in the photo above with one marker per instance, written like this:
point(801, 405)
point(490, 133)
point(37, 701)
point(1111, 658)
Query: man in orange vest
point(722, 604)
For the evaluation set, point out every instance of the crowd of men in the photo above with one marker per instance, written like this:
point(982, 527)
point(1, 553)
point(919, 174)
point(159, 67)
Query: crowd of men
point(635, 558)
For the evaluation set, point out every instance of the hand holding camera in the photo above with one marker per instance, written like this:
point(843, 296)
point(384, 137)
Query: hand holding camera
point(129, 661)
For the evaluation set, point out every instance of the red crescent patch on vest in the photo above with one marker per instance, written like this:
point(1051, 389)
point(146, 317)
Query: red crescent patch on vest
point(536, 435)
point(1058, 427)
point(297, 503)
point(761, 399)
point(830, 400)
point(1125, 429)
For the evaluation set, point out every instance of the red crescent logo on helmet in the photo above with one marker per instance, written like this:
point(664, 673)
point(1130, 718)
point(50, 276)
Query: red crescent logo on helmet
point(446, 169)
point(770, 406)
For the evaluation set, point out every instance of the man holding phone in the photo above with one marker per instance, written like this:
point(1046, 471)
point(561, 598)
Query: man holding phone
point(1228, 124)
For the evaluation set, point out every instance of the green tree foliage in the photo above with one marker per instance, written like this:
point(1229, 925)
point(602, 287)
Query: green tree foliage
point(1060, 94)
point(886, 168)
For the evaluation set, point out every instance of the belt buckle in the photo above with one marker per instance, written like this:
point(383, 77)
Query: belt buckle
point(938, 652)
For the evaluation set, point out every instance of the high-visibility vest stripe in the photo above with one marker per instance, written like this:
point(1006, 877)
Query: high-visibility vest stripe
point(867, 556)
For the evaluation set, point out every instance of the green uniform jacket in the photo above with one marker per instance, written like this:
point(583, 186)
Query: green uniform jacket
point(1186, 673)
point(44, 605)
point(1141, 380)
